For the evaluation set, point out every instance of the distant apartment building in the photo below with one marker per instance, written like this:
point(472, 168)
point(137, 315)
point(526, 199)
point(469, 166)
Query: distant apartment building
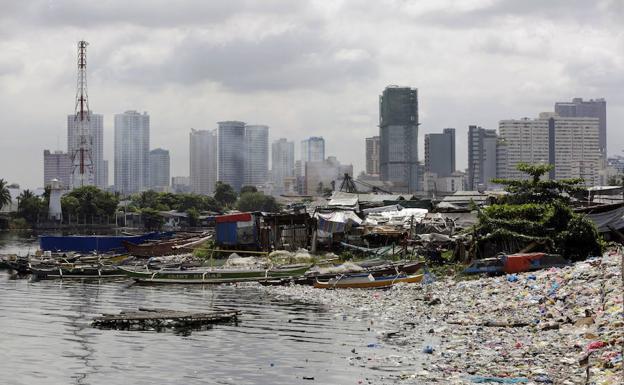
point(256, 155)
point(372, 155)
point(593, 108)
point(282, 164)
point(181, 184)
point(571, 145)
point(440, 153)
point(398, 132)
point(482, 151)
point(132, 131)
point(95, 138)
point(159, 163)
point(325, 174)
point(203, 148)
point(435, 184)
point(56, 165)
point(231, 153)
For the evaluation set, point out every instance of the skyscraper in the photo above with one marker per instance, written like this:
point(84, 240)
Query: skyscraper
point(231, 153)
point(203, 161)
point(440, 153)
point(283, 162)
point(159, 163)
point(580, 108)
point(56, 165)
point(256, 155)
point(372, 156)
point(482, 150)
point(95, 128)
point(398, 131)
point(132, 131)
point(313, 149)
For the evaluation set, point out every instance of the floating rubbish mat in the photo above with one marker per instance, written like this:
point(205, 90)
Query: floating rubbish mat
point(164, 319)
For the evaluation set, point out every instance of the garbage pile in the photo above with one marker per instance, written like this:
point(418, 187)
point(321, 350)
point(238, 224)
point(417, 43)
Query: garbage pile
point(561, 326)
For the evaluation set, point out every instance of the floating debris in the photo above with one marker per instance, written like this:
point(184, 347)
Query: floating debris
point(157, 319)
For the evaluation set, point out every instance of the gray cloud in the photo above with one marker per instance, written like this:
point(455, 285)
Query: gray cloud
point(289, 60)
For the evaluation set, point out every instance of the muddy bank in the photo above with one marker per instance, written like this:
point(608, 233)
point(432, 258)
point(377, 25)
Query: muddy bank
point(561, 326)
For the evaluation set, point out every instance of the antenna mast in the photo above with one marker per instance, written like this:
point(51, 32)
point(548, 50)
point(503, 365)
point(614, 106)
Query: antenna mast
point(82, 164)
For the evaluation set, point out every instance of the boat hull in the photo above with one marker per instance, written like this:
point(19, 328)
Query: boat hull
point(211, 276)
point(90, 243)
point(365, 282)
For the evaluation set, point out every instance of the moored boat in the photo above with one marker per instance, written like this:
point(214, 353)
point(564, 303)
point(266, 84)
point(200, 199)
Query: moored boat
point(69, 271)
point(366, 281)
point(213, 276)
point(515, 263)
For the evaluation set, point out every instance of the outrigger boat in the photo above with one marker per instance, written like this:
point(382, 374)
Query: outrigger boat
point(516, 263)
point(214, 276)
point(67, 271)
point(366, 281)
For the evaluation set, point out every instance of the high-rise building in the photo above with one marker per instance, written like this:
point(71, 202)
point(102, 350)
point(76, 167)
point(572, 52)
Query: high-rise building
point(231, 153)
point(56, 165)
point(440, 153)
point(571, 145)
point(283, 162)
point(313, 149)
point(159, 163)
point(398, 131)
point(256, 155)
point(372, 156)
point(181, 184)
point(132, 130)
point(482, 150)
point(203, 161)
point(593, 108)
point(95, 129)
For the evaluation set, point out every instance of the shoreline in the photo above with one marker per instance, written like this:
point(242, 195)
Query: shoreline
point(561, 326)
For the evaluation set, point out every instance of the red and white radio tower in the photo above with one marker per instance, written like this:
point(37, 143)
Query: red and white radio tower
point(82, 163)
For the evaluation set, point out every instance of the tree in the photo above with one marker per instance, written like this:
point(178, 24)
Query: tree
point(536, 212)
point(246, 189)
point(5, 195)
point(69, 206)
point(224, 194)
point(193, 217)
point(257, 201)
point(30, 206)
point(152, 220)
point(91, 202)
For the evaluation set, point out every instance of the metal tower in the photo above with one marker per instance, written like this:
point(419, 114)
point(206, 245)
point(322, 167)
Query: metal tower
point(82, 162)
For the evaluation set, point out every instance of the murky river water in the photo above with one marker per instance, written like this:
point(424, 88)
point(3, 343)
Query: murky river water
point(46, 337)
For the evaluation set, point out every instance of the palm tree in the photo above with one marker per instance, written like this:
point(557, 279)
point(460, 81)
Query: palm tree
point(5, 196)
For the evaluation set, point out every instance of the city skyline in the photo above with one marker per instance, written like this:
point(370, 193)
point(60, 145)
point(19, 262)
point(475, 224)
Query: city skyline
point(555, 55)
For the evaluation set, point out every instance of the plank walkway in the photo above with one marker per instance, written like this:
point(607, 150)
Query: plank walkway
point(144, 319)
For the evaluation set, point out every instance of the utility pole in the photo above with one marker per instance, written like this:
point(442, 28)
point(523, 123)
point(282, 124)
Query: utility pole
point(82, 161)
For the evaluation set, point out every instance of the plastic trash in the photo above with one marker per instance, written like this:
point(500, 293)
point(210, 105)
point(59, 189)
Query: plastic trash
point(428, 349)
point(512, 278)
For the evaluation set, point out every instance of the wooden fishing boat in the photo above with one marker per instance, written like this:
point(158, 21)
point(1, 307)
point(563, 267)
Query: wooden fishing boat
point(69, 271)
point(213, 276)
point(377, 270)
point(364, 281)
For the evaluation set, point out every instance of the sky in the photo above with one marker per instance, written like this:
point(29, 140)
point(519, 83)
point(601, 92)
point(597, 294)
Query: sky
point(304, 68)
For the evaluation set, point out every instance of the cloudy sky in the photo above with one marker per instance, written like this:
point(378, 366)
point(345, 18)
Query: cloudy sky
point(302, 67)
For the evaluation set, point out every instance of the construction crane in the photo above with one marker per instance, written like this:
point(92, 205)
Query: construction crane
point(348, 185)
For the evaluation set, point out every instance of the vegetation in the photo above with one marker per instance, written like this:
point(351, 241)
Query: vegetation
point(30, 207)
point(152, 220)
point(169, 201)
point(88, 205)
point(224, 194)
point(5, 196)
point(536, 212)
point(257, 201)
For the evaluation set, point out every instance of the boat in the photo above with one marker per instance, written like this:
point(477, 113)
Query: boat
point(213, 276)
point(376, 269)
point(516, 263)
point(168, 247)
point(67, 271)
point(98, 243)
point(366, 281)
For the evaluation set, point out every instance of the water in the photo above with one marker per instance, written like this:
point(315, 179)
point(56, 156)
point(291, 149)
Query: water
point(46, 337)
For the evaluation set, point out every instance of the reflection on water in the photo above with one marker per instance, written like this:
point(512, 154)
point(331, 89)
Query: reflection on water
point(46, 336)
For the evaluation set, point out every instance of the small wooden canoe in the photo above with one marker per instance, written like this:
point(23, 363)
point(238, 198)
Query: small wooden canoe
point(363, 281)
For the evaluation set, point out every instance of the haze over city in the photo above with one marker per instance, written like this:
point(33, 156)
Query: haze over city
point(302, 68)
